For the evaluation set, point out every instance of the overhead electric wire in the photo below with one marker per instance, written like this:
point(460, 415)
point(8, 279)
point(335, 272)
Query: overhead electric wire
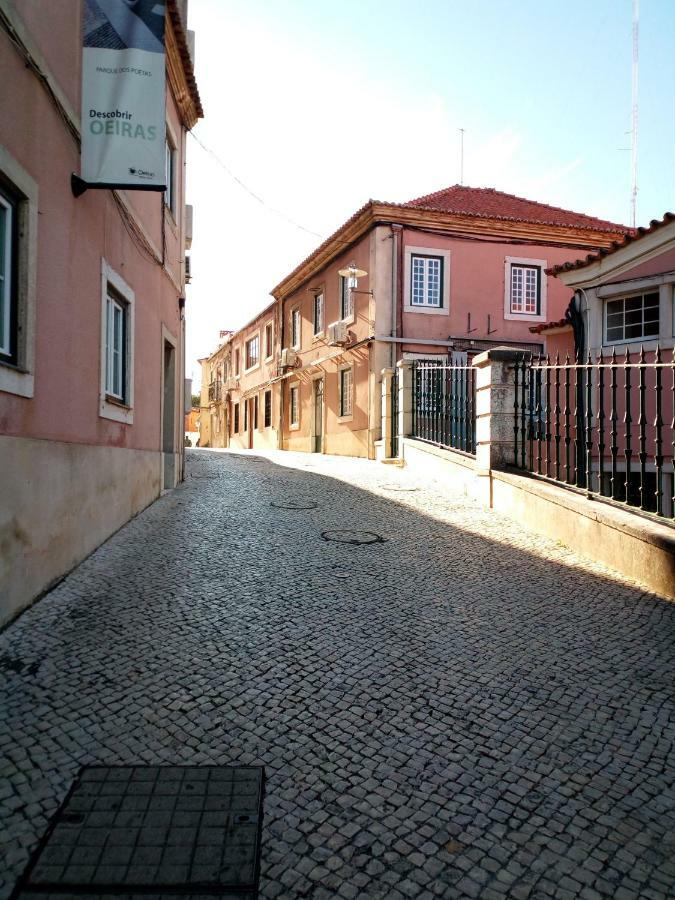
point(251, 193)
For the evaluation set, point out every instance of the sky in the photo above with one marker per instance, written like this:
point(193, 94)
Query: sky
point(313, 107)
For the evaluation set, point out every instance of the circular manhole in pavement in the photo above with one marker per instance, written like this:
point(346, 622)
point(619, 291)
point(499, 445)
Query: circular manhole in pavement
point(295, 504)
point(347, 536)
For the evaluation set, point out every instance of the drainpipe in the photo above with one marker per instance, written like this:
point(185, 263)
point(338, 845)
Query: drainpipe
point(396, 285)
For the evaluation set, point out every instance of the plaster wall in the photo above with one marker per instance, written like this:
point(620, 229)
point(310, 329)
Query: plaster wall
point(477, 286)
point(74, 237)
point(664, 262)
point(346, 435)
point(62, 501)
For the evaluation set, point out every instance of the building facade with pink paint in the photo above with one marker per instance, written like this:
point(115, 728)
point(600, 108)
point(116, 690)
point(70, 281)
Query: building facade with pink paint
point(92, 330)
point(240, 387)
point(443, 277)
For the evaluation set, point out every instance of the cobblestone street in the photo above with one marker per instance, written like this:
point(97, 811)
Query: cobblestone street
point(458, 710)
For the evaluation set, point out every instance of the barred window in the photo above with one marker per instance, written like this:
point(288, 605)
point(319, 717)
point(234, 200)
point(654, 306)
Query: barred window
point(426, 287)
point(632, 318)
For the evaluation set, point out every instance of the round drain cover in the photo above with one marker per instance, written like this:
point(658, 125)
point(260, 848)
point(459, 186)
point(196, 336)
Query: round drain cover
point(295, 504)
point(352, 537)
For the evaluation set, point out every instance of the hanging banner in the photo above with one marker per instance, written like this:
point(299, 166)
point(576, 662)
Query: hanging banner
point(123, 94)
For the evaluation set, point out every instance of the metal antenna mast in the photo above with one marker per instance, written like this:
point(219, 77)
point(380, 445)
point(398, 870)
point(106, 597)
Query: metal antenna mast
point(461, 156)
point(634, 128)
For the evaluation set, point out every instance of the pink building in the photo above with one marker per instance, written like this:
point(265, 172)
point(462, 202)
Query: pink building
point(442, 277)
point(91, 322)
point(240, 387)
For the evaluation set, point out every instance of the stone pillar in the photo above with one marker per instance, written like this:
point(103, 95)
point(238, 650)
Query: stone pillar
point(387, 378)
point(405, 401)
point(495, 397)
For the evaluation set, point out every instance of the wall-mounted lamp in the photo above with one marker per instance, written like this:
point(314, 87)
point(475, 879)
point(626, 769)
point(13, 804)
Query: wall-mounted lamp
point(352, 274)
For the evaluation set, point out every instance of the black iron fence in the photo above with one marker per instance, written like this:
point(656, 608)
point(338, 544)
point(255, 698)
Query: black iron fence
point(444, 405)
point(606, 426)
point(393, 436)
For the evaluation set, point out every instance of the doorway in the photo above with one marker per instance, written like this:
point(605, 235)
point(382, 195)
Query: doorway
point(318, 416)
point(168, 416)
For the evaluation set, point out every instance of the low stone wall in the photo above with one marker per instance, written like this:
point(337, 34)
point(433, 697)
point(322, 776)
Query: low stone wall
point(62, 502)
point(633, 545)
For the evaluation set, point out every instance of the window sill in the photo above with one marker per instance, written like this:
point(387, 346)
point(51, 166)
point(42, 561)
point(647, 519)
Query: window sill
point(16, 380)
point(116, 410)
point(427, 310)
point(524, 317)
point(349, 320)
point(342, 419)
point(631, 344)
point(319, 336)
point(252, 369)
point(294, 427)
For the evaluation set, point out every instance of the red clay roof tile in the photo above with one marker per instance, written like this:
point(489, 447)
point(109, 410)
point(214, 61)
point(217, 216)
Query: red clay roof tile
point(634, 235)
point(492, 204)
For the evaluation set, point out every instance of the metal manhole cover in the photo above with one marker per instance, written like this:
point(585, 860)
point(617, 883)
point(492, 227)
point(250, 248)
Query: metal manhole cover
point(152, 830)
point(352, 537)
point(295, 504)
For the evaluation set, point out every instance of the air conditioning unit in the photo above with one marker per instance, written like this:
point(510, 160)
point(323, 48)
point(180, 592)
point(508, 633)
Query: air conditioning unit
point(288, 358)
point(337, 334)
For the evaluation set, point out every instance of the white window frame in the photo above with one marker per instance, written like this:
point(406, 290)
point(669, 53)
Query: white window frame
point(116, 347)
point(345, 416)
point(170, 155)
point(426, 309)
point(318, 295)
point(518, 261)
point(296, 338)
point(269, 329)
point(294, 425)
point(256, 365)
point(428, 299)
point(643, 338)
point(7, 286)
point(119, 410)
point(18, 377)
point(346, 298)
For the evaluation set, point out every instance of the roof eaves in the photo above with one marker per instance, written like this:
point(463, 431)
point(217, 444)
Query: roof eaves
point(608, 227)
point(180, 29)
point(634, 235)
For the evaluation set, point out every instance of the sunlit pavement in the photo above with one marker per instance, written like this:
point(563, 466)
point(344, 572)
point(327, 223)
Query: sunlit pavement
point(455, 709)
